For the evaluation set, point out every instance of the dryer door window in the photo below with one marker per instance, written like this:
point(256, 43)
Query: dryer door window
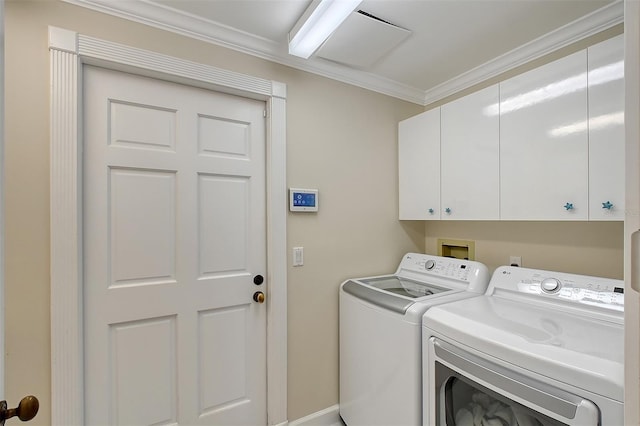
point(469, 390)
point(468, 403)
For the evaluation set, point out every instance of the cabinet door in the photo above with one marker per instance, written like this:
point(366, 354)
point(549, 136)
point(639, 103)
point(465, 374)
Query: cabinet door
point(469, 152)
point(543, 142)
point(606, 130)
point(419, 166)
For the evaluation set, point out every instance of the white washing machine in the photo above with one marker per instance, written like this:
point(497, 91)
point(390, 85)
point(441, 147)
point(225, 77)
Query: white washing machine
point(539, 348)
point(380, 335)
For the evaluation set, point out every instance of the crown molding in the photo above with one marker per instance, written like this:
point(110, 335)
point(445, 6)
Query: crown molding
point(162, 17)
point(580, 29)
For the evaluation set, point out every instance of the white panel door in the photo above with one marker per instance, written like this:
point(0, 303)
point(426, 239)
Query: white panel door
point(543, 142)
point(174, 234)
point(469, 181)
point(419, 166)
point(606, 130)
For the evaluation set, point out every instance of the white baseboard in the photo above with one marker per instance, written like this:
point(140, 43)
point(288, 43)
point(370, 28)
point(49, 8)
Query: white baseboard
point(328, 417)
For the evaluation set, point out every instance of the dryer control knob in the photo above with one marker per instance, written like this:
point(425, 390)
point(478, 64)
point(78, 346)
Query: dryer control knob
point(550, 285)
point(429, 264)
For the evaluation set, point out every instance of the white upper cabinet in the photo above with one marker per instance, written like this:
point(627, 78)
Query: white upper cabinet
point(544, 142)
point(547, 144)
point(606, 130)
point(419, 166)
point(469, 177)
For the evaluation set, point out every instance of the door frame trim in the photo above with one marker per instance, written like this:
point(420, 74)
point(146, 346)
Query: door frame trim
point(2, 203)
point(69, 51)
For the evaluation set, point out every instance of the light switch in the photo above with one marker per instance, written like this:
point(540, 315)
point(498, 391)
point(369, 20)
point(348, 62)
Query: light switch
point(298, 256)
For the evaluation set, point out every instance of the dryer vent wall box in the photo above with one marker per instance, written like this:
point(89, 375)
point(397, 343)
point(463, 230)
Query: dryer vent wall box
point(303, 200)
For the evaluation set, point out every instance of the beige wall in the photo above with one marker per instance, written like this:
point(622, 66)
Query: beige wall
point(589, 248)
point(341, 140)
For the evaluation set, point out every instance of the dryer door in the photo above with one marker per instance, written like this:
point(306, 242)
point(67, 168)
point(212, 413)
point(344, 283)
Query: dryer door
point(469, 390)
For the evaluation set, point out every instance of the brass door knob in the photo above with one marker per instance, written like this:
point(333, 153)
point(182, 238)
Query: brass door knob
point(258, 296)
point(26, 410)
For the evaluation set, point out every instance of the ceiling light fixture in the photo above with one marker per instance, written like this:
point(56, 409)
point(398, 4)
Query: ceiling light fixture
point(317, 23)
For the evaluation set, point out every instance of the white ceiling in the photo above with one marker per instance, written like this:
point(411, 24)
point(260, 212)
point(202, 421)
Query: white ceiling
point(454, 43)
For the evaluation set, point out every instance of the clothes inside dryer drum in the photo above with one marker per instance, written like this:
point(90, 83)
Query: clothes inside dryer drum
point(474, 407)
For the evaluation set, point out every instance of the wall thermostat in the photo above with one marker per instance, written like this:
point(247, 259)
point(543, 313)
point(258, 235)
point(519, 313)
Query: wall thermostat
point(303, 200)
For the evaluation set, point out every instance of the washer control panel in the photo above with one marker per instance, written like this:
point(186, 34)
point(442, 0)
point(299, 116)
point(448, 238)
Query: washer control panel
point(581, 289)
point(550, 285)
point(424, 267)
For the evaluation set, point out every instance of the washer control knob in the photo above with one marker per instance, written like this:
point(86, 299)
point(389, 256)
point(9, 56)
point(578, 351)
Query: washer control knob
point(550, 285)
point(429, 264)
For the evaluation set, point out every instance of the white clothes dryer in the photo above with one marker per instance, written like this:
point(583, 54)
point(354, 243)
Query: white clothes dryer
point(380, 335)
point(539, 348)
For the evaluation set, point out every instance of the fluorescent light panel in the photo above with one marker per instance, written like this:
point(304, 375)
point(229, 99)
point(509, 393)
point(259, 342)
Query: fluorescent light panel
point(317, 23)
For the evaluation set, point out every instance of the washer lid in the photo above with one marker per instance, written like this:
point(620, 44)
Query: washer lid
point(575, 349)
point(403, 286)
point(396, 293)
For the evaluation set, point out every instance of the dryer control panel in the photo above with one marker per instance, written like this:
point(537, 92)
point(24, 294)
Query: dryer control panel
point(606, 293)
